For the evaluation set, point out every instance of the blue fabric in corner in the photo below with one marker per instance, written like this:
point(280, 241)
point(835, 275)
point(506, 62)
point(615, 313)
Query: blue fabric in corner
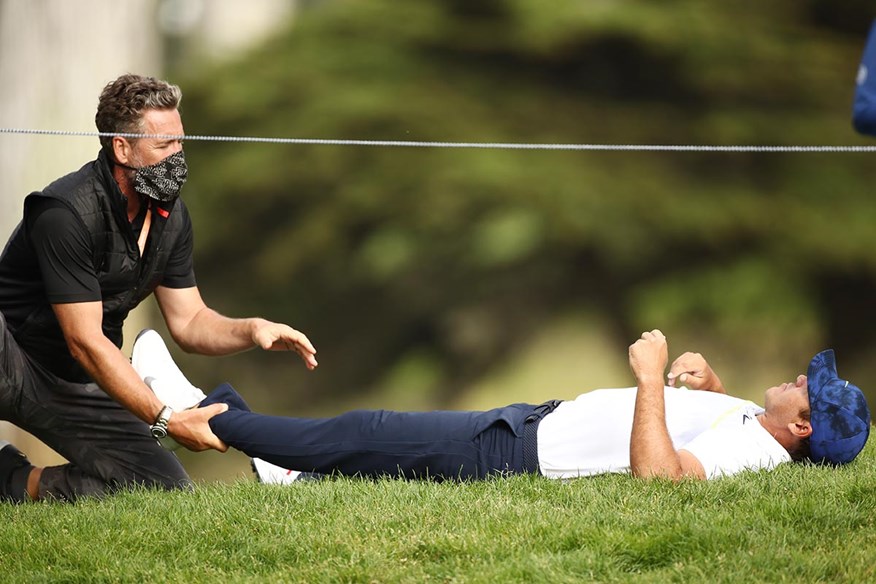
point(864, 109)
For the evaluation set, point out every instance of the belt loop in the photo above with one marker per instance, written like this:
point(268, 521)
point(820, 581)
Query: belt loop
point(530, 434)
point(530, 447)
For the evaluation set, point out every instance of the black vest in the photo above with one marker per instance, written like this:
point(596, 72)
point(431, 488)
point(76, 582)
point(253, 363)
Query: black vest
point(125, 278)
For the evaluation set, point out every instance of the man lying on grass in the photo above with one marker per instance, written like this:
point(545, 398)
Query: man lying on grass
point(651, 430)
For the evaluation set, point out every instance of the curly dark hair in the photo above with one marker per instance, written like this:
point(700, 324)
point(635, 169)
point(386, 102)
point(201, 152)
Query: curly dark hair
point(123, 101)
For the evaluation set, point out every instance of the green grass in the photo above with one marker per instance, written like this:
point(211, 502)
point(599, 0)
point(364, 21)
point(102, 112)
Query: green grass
point(798, 523)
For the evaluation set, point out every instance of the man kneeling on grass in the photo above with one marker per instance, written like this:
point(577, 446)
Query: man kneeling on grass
point(651, 430)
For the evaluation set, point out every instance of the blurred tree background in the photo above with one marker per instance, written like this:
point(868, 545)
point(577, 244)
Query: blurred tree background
point(467, 277)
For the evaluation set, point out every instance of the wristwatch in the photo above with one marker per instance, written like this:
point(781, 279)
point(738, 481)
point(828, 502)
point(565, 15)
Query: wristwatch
point(159, 426)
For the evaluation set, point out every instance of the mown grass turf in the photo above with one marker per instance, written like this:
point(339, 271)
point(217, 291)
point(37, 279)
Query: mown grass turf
point(797, 523)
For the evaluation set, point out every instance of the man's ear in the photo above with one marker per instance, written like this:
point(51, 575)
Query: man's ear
point(122, 150)
point(801, 428)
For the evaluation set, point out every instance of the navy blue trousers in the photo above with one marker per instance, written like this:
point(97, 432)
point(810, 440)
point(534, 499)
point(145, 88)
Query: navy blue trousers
point(437, 445)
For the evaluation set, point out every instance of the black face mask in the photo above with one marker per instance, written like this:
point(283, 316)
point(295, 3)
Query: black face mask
point(163, 180)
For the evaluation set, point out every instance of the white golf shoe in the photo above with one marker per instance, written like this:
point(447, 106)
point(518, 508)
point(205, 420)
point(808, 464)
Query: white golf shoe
point(153, 363)
point(271, 474)
point(155, 366)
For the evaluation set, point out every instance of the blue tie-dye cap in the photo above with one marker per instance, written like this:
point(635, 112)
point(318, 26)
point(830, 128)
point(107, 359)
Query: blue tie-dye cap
point(839, 414)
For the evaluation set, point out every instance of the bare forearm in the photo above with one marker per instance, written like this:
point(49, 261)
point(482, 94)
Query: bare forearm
point(199, 329)
point(114, 373)
point(651, 451)
point(106, 365)
point(210, 333)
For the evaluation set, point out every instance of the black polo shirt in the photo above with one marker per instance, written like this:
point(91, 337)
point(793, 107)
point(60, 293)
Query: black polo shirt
point(49, 260)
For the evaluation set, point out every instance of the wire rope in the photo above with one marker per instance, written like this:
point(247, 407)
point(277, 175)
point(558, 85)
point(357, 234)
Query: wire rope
point(474, 145)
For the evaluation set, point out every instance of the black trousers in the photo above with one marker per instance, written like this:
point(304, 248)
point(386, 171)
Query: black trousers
point(108, 447)
point(438, 445)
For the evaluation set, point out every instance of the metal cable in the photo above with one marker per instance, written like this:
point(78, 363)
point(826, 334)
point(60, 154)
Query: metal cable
point(481, 145)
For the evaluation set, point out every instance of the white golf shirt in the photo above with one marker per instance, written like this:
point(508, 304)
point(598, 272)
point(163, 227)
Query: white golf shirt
point(591, 434)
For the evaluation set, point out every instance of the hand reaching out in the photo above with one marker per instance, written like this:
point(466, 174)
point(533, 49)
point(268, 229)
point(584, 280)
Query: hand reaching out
point(272, 336)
